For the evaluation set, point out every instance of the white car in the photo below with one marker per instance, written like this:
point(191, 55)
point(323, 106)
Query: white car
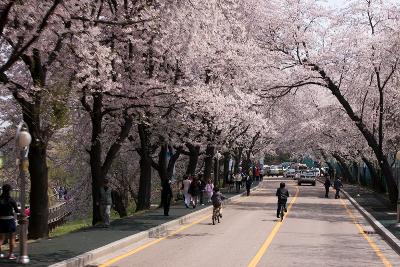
point(307, 177)
point(275, 171)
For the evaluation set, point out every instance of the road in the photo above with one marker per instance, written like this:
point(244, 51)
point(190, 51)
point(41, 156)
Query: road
point(315, 232)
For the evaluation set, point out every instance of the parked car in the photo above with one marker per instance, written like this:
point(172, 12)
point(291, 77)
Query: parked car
point(265, 170)
point(307, 177)
point(289, 173)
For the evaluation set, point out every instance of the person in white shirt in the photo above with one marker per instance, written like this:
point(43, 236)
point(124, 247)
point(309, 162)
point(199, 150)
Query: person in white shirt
point(238, 181)
point(185, 188)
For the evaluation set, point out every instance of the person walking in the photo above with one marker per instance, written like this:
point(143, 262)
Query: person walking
point(8, 226)
point(337, 185)
point(209, 189)
point(185, 188)
point(166, 196)
point(237, 177)
point(249, 182)
point(257, 174)
point(327, 184)
point(194, 191)
point(105, 203)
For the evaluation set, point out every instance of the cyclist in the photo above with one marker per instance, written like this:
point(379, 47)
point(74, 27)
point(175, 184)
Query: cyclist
point(282, 193)
point(217, 199)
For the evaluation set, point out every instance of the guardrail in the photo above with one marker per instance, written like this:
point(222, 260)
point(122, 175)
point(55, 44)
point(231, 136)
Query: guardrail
point(58, 214)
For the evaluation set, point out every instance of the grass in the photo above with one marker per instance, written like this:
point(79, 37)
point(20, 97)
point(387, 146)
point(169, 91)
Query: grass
point(71, 226)
point(76, 225)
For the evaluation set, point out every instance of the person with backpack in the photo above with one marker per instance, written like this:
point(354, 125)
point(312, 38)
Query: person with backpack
point(327, 184)
point(337, 185)
point(282, 193)
point(217, 199)
point(8, 226)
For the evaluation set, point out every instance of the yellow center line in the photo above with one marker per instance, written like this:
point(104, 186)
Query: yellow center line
point(271, 236)
point(373, 245)
point(133, 251)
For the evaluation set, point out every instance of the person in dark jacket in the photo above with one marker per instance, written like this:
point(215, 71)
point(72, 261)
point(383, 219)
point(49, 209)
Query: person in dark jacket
point(194, 191)
point(166, 196)
point(327, 184)
point(337, 185)
point(249, 182)
point(282, 193)
point(8, 207)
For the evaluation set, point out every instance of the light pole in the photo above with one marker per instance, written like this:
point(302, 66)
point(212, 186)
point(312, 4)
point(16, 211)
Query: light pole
point(217, 157)
point(22, 140)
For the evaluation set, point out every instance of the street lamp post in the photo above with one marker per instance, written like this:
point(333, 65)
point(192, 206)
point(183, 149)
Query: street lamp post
point(23, 140)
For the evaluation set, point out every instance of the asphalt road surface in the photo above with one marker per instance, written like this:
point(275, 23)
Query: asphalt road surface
point(315, 232)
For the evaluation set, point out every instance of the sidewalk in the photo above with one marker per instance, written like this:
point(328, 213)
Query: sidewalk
point(50, 251)
point(376, 204)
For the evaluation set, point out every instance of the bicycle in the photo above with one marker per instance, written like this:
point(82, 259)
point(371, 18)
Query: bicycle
point(282, 211)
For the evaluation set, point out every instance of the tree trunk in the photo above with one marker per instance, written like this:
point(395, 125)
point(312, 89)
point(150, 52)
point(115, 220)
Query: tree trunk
point(144, 193)
point(376, 185)
point(95, 156)
point(344, 168)
point(194, 152)
point(238, 158)
point(119, 204)
point(208, 162)
point(227, 158)
point(216, 172)
point(39, 200)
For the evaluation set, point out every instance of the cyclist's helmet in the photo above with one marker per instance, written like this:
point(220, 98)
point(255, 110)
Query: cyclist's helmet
point(282, 185)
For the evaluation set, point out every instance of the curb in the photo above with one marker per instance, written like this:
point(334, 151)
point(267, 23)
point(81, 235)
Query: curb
point(90, 256)
point(392, 240)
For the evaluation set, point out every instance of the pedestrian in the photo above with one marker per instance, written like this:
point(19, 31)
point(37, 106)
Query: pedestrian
point(327, 184)
point(60, 192)
point(65, 193)
point(166, 196)
point(282, 193)
point(257, 173)
point(105, 203)
point(237, 177)
point(8, 226)
point(209, 190)
point(249, 181)
point(194, 191)
point(185, 188)
point(337, 185)
point(202, 188)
